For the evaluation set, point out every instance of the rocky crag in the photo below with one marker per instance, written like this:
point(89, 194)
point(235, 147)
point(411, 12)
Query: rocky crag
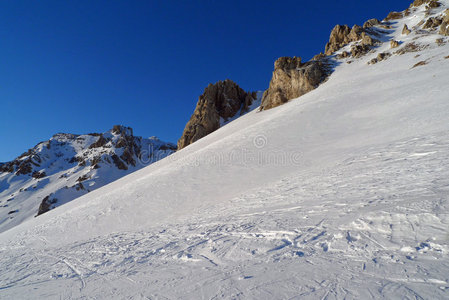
point(293, 78)
point(219, 103)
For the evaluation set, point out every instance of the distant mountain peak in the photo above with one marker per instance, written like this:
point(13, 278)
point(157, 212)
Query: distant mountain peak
point(70, 165)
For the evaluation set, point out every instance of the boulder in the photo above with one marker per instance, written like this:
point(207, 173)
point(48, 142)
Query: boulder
point(430, 3)
point(394, 44)
point(220, 101)
point(380, 57)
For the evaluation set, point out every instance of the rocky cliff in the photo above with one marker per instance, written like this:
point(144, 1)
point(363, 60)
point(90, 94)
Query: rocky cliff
point(68, 166)
point(219, 103)
point(292, 78)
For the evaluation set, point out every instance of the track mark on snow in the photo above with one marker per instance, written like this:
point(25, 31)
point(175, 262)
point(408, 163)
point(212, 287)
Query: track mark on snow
point(75, 270)
point(286, 244)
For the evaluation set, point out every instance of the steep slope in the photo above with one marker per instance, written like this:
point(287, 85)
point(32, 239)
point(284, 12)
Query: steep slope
point(341, 195)
point(68, 166)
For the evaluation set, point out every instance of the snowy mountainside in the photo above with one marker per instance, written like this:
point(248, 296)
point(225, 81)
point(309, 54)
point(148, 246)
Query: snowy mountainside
point(342, 193)
point(68, 166)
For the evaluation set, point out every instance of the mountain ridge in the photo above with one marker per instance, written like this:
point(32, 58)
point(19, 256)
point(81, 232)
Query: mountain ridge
point(293, 78)
point(67, 166)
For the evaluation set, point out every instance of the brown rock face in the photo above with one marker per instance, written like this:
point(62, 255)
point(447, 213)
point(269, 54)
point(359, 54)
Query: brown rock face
point(292, 79)
point(370, 23)
point(394, 44)
point(338, 38)
point(432, 23)
point(406, 30)
point(99, 143)
point(431, 3)
point(359, 50)
point(444, 29)
point(380, 57)
point(223, 99)
point(342, 35)
point(394, 15)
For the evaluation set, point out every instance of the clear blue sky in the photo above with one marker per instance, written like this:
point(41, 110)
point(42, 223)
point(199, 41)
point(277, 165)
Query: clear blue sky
point(83, 66)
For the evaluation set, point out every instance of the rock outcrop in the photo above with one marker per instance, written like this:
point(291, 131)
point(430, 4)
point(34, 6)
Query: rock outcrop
point(339, 37)
point(46, 205)
point(394, 15)
point(394, 44)
point(430, 3)
point(444, 29)
point(292, 79)
point(370, 23)
point(342, 35)
point(380, 57)
point(406, 30)
point(219, 102)
point(432, 22)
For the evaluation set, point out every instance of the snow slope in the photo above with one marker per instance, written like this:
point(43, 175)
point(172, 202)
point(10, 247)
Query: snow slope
point(341, 194)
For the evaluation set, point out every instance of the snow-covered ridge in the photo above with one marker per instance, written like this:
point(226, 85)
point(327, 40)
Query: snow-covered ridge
point(67, 166)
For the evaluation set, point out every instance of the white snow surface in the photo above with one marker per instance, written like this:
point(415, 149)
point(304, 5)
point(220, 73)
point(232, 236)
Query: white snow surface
point(340, 194)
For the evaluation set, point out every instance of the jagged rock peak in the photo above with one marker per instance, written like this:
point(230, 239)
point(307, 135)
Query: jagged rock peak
point(122, 130)
point(219, 102)
point(370, 23)
point(292, 78)
point(288, 63)
point(342, 35)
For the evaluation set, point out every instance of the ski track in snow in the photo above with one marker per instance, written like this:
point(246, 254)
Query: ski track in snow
point(278, 234)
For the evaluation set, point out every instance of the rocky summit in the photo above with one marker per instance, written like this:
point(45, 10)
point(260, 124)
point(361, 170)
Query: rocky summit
point(68, 166)
point(219, 103)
